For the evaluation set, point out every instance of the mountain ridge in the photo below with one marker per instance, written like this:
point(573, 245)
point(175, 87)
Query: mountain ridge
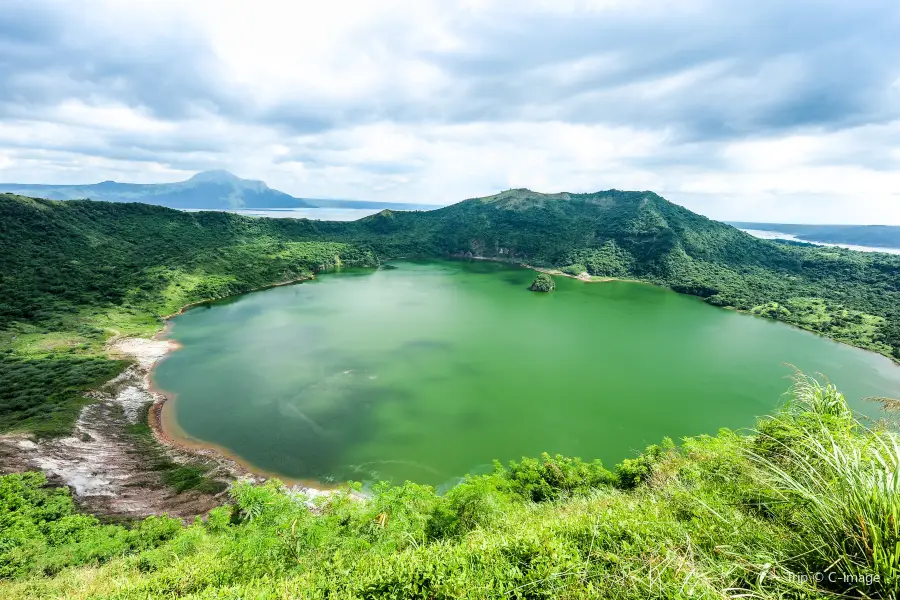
point(641, 235)
point(218, 190)
point(212, 190)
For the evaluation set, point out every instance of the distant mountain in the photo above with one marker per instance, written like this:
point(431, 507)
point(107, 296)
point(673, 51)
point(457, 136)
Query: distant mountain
point(878, 236)
point(212, 190)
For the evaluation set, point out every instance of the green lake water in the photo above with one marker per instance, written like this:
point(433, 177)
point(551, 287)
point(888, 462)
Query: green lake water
point(431, 370)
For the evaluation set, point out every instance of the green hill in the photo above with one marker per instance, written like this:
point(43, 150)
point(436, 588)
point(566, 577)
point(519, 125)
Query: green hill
point(849, 296)
point(62, 258)
point(559, 229)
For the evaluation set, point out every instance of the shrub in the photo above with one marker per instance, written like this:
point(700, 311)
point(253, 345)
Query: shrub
point(632, 472)
point(549, 477)
point(576, 269)
point(40, 533)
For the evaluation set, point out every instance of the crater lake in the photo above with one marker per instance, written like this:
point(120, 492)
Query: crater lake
point(427, 371)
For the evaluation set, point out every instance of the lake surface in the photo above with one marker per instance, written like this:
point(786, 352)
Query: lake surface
point(315, 214)
point(430, 370)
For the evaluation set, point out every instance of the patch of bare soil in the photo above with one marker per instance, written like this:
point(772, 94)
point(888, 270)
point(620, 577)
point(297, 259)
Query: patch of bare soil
point(100, 462)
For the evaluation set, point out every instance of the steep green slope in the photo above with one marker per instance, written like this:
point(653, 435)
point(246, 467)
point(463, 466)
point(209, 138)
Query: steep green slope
point(60, 257)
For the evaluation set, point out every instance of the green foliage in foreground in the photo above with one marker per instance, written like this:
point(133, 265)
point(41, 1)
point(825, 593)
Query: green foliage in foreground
point(41, 533)
point(812, 492)
point(542, 283)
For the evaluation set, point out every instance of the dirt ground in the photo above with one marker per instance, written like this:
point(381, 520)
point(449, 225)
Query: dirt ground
point(99, 462)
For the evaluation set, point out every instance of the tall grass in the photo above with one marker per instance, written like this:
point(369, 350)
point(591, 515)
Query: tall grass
point(841, 484)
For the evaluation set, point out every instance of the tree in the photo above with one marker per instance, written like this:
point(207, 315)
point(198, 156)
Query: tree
point(542, 283)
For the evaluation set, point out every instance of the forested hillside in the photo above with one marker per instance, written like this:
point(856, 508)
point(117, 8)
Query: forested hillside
point(849, 296)
point(58, 258)
point(73, 274)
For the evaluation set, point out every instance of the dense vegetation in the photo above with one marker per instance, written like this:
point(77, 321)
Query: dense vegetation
point(806, 507)
point(45, 395)
point(850, 296)
point(879, 236)
point(72, 274)
point(65, 258)
point(42, 533)
point(542, 283)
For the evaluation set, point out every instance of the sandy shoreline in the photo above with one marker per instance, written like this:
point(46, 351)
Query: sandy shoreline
point(169, 434)
point(583, 276)
point(98, 461)
point(164, 426)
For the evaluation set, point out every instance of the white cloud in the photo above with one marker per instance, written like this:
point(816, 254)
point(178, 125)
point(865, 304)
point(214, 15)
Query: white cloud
point(429, 101)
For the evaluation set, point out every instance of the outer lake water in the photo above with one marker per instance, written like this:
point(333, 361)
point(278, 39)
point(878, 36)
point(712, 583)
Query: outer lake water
point(430, 370)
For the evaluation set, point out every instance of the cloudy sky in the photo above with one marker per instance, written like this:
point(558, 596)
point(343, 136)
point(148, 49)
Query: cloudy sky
point(744, 110)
